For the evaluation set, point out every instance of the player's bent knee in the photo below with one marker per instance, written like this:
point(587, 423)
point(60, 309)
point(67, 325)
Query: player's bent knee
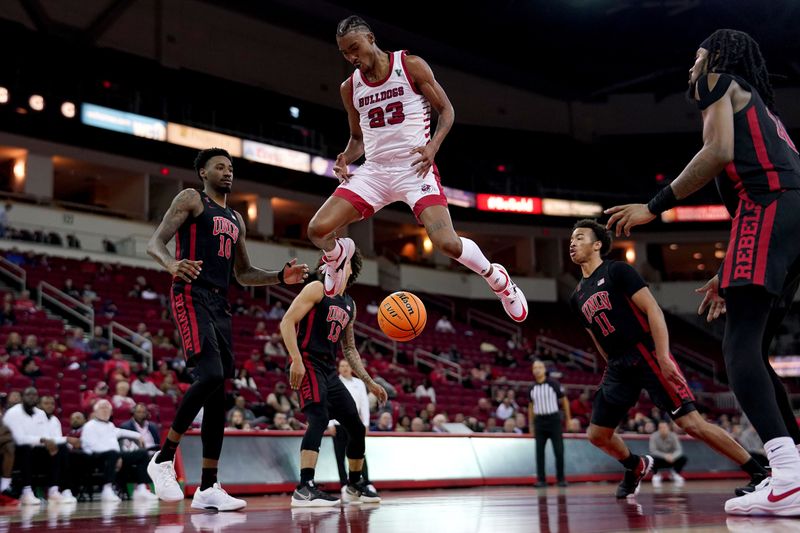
point(450, 247)
point(597, 436)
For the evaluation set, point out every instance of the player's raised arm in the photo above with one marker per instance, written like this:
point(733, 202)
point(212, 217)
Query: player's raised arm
point(422, 77)
point(351, 354)
point(187, 203)
point(246, 274)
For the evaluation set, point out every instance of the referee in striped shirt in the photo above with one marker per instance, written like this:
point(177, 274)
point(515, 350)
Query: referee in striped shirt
point(544, 420)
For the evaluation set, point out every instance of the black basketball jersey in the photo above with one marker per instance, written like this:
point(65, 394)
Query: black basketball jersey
point(765, 160)
point(210, 237)
point(604, 305)
point(321, 329)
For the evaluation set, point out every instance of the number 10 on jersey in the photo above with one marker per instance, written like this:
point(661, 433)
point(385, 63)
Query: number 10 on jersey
point(224, 247)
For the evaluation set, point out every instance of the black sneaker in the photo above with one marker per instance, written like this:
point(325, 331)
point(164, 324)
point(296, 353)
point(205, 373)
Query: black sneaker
point(360, 493)
point(750, 487)
point(309, 495)
point(630, 483)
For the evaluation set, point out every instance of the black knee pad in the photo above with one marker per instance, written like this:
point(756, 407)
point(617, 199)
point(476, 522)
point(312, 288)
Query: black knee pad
point(317, 419)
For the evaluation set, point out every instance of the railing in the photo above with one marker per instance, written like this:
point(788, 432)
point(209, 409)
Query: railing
point(430, 360)
point(281, 294)
point(494, 323)
point(66, 304)
point(584, 359)
point(113, 336)
point(377, 336)
point(445, 304)
point(14, 272)
point(698, 362)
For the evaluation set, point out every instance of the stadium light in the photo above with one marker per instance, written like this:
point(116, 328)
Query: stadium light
point(427, 245)
point(294, 111)
point(252, 211)
point(4, 95)
point(68, 109)
point(630, 255)
point(19, 169)
point(36, 102)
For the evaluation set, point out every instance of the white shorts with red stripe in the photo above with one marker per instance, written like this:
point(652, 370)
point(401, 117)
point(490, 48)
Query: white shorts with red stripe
point(374, 186)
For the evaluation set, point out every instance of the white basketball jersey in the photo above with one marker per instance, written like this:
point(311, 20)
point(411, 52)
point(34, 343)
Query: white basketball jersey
point(394, 117)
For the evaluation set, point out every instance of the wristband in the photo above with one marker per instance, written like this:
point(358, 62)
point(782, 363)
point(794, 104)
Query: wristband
point(662, 201)
point(281, 279)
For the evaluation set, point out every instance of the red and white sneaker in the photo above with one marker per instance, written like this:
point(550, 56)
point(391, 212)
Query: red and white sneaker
point(514, 302)
point(772, 498)
point(335, 279)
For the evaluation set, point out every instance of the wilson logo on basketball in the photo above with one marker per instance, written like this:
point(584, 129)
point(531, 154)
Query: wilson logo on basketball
point(406, 301)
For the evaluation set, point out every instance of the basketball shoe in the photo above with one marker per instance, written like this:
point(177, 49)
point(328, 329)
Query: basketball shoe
point(214, 498)
point(631, 483)
point(164, 479)
point(334, 268)
point(310, 495)
point(360, 493)
point(757, 482)
point(774, 498)
point(514, 302)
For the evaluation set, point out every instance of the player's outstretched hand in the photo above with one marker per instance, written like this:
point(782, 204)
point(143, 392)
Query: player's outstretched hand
point(186, 270)
point(296, 373)
point(294, 273)
point(424, 162)
point(711, 300)
point(340, 169)
point(627, 216)
point(379, 393)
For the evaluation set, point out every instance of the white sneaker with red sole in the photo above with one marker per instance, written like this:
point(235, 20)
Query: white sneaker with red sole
point(774, 498)
point(512, 298)
point(335, 279)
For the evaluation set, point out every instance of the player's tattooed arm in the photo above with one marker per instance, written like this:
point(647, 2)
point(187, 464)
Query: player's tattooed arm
point(351, 354)
point(186, 204)
point(248, 275)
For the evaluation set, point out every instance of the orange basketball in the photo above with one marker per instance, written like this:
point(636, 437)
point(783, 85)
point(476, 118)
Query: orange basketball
point(402, 316)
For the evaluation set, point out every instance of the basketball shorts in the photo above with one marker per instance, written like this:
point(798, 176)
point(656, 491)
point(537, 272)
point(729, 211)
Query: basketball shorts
point(373, 186)
point(322, 385)
point(764, 245)
point(203, 318)
point(622, 385)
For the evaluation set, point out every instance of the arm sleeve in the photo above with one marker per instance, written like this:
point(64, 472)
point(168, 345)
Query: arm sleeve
point(16, 424)
point(626, 277)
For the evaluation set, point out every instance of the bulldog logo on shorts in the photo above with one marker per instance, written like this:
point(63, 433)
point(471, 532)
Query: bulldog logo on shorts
point(426, 187)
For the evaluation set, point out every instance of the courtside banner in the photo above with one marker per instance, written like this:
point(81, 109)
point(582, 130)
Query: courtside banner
point(696, 213)
point(122, 122)
point(509, 204)
point(202, 139)
point(276, 156)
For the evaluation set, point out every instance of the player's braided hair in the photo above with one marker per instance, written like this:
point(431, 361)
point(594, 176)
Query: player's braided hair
point(735, 52)
point(350, 24)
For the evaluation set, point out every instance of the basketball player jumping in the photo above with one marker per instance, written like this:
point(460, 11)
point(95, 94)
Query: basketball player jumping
point(209, 246)
point(628, 328)
point(320, 321)
point(743, 136)
point(388, 101)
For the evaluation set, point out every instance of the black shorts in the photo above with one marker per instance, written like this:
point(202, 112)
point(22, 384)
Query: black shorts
point(622, 385)
point(203, 318)
point(322, 385)
point(763, 245)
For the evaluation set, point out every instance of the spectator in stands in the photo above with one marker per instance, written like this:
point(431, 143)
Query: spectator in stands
point(90, 397)
point(417, 425)
point(384, 422)
point(4, 210)
point(274, 346)
point(505, 410)
point(425, 389)
point(117, 365)
point(499, 396)
point(574, 426)
point(277, 311)
point(649, 427)
point(77, 341)
point(88, 293)
point(109, 247)
point(505, 359)
point(30, 368)
point(110, 309)
point(70, 288)
point(443, 325)
point(7, 368)
point(279, 402)
point(261, 333)
point(100, 439)
point(245, 381)
point(521, 422)
point(488, 372)
point(437, 375)
point(491, 425)
point(372, 308)
point(149, 294)
point(38, 448)
point(169, 386)
point(404, 425)
point(14, 346)
point(31, 347)
point(665, 447)
point(135, 292)
point(438, 422)
point(8, 316)
point(14, 398)
point(512, 395)
point(73, 242)
point(101, 352)
point(122, 401)
point(76, 423)
point(581, 408)
point(255, 366)
point(239, 308)
point(142, 386)
point(487, 347)
point(453, 354)
point(240, 403)
point(237, 420)
point(281, 422)
point(483, 409)
point(142, 337)
point(162, 372)
point(510, 426)
point(24, 304)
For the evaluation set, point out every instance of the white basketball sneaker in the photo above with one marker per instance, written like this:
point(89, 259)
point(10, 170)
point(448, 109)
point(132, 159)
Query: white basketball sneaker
point(334, 268)
point(773, 498)
point(514, 302)
point(164, 480)
point(215, 498)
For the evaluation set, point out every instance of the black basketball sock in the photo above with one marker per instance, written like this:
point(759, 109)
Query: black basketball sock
point(167, 452)
point(753, 468)
point(353, 477)
point(207, 478)
point(630, 462)
point(306, 475)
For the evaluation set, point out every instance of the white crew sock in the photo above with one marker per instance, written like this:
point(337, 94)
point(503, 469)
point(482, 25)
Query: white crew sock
point(5, 482)
point(472, 258)
point(783, 458)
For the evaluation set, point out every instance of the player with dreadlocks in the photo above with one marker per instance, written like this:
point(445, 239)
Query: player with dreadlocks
point(743, 136)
